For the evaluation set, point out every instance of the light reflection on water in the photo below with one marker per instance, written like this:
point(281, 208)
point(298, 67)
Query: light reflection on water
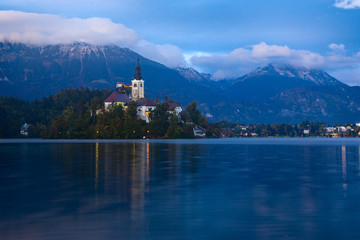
point(179, 190)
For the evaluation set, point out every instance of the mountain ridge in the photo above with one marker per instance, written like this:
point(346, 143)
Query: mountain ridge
point(315, 76)
point(264, 95)
point(263, 83)
point(35, 72)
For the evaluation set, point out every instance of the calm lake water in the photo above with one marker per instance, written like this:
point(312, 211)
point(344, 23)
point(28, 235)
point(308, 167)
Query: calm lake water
point(269, 188)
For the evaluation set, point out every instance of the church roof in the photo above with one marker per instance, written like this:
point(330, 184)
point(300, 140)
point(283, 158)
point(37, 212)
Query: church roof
point(117, 96)
point(137, 75)
point(145, 102)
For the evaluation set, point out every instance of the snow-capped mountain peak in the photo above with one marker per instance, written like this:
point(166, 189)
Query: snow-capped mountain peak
point(313, 76)
point(192, 75)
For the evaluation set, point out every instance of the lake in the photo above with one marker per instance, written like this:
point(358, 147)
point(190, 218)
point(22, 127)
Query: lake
point(258, 188)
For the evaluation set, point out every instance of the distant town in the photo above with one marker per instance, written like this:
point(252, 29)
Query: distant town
point(303, 129)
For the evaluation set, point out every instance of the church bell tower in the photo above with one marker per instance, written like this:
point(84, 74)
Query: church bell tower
point(137, 83)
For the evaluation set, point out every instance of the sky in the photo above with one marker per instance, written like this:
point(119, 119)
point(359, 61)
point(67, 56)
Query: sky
point(227, 38)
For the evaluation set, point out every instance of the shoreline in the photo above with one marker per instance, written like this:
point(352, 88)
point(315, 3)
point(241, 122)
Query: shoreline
point(231, 141)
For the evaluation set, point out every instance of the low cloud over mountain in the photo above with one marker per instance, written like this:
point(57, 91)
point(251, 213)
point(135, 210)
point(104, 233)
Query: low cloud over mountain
point(43, 29)
point(241, 60)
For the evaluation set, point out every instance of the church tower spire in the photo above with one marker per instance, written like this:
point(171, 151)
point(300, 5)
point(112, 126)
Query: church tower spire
point(137, 75)
point(137, 88)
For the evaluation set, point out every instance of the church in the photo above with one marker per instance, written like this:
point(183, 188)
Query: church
point(123, 94)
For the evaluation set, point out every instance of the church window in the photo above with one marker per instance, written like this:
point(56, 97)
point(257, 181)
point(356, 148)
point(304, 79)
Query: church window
point(140, 84)
point(135, 85)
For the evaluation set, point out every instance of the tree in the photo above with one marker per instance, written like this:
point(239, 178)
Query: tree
point(174, 130)
point(195, 115)
point(133, 126)
point(159, 123)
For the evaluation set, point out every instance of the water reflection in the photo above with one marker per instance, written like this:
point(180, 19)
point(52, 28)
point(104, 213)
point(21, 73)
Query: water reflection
point(139, 168)
point(343, 161)
point(150, 190)
point(96, 164)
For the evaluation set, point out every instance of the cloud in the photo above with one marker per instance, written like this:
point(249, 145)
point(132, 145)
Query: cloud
point(240, 61)
point(347, 4)
point(39, 29)
point(350, 76)
point(169, 55)
point(263, 50)
point(42, 29)
point(338, 60)
point(243, 60)
point(337, 47)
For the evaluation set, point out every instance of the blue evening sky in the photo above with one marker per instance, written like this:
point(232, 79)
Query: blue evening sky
point(218, 27)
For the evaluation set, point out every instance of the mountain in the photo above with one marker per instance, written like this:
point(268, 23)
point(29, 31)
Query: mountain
point(275, 93)
point(193, 75)
point(284, 93)
point(266, 82)
point(340, 104)
point(31, 72)
point(309, 76)
point(203, 79)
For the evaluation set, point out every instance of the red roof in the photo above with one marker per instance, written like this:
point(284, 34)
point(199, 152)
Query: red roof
point(117, 96)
